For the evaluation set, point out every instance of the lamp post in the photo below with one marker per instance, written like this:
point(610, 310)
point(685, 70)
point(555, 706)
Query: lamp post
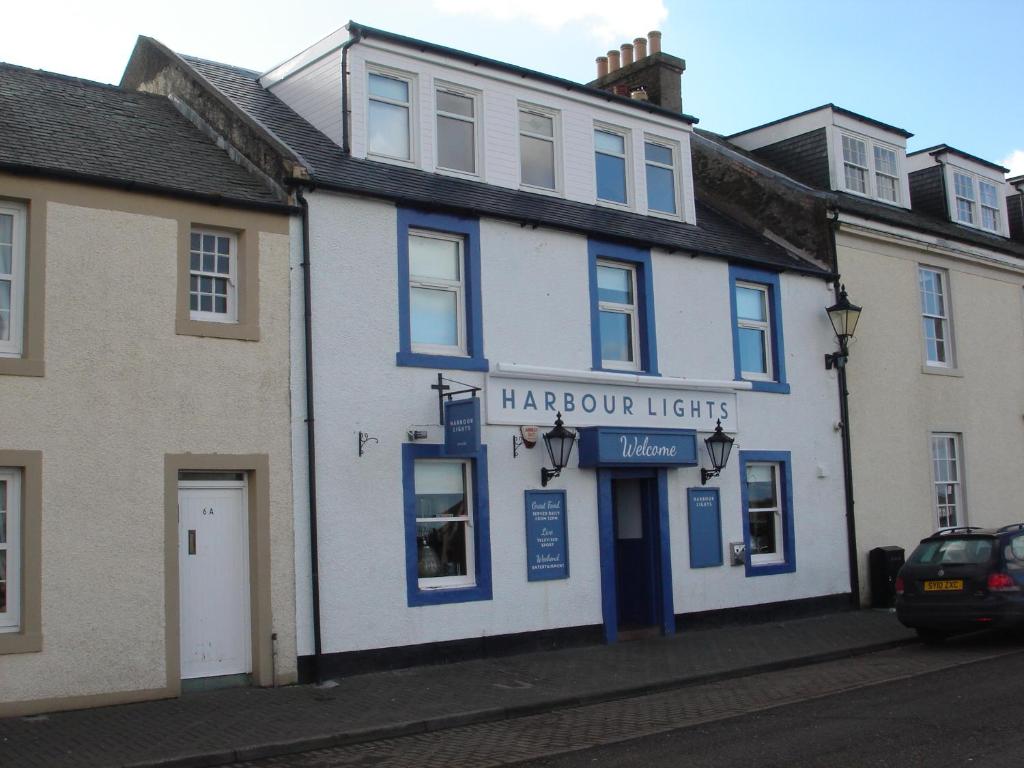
point(559, 442)
point(844, 316)
point(719, 446)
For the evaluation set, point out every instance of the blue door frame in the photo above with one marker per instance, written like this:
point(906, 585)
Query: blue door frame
point(606, 526)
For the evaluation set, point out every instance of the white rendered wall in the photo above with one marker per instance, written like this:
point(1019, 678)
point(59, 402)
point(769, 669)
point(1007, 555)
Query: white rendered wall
point(121, 390)
point(896, 403)
point(358, 387)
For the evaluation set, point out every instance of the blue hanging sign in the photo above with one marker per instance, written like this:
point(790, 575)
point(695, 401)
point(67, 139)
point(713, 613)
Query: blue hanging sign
point(462, 427)
point(705, 519)
point(547, 553)
point(618, 447)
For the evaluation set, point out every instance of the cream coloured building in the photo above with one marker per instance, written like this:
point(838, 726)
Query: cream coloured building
point(145, 493)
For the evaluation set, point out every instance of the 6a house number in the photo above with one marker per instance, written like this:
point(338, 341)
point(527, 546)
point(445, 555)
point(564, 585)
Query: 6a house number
point(207, 510)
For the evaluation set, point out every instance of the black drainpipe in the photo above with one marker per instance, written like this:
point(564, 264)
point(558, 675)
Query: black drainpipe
point(844, 420)
point(314, 555)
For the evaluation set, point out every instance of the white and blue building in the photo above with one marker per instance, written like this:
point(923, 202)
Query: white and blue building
point(536, 243)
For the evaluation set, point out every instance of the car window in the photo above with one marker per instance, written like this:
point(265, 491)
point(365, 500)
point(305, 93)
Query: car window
point(950, 551)
point(1015, 549)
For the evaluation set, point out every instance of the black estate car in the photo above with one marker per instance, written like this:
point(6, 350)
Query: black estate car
point(962, 579)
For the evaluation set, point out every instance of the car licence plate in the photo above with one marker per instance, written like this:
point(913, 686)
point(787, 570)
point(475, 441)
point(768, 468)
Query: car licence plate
point(947, 585)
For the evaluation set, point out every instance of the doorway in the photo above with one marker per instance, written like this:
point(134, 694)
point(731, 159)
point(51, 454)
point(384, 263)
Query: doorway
point(634, 504)
point(214, 581)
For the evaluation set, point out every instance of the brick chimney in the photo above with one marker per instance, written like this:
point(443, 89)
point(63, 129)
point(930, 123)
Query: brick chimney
point(657, 74)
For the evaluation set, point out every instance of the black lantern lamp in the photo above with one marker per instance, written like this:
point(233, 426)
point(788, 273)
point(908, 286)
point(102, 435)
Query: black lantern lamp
point(844, 316)
point(719, 446)
point(559, 442)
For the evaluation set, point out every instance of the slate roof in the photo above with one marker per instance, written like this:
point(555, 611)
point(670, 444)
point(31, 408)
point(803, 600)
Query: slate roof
point(715, 235)
point(65, 127)
point(872, 209)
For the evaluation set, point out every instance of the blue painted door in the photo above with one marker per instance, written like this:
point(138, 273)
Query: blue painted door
point(634, 503)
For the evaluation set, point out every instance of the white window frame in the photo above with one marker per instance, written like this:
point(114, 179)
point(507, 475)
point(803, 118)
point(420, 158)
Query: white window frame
point(993, 210)
point(779, 555)
point(632, 310)
point(627, 177)
point(944, 319)
point(972, 201)
point(10, 620)
point(467, 93)
point(870, 168)
point(15, 345)
point(410, 81)
point(468, 579)
point(231, 316)
point(764, 326)
point(672, 147)
point(458, 287)
point(556, 153)
point(955, 459)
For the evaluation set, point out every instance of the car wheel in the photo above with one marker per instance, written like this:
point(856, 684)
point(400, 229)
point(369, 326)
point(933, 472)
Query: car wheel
point(931, 636)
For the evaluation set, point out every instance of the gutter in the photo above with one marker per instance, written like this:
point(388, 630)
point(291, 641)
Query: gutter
point(346, 108)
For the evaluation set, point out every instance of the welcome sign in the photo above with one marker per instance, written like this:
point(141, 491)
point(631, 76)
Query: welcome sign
point(615, 447)
point(532, 401)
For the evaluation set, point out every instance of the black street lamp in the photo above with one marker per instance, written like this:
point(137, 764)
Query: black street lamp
point(844, 316)
point(719, 445)
point(559, 442)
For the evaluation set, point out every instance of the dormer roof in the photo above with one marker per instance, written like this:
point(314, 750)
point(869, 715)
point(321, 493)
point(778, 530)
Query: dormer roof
point(942, 149)
point(837, 110)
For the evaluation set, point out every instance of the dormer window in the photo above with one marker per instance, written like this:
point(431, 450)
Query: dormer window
point(389, 118)
point(968, 192)
point(881, 179)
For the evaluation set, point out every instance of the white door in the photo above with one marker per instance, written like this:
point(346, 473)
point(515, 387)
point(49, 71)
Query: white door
point(213, 557)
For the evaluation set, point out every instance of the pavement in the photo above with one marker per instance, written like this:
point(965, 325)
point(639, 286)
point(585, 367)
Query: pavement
point(221, 727)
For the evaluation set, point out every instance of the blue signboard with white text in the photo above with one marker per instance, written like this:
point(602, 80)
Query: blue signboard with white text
point(547, 551)
point(462, 427)
point(620, 447)
point(705, 527)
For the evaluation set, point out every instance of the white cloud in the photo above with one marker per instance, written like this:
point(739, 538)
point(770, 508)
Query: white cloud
point(1015, 162)
point(609, 21)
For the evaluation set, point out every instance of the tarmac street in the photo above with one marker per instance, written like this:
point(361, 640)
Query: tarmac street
point(222, 727)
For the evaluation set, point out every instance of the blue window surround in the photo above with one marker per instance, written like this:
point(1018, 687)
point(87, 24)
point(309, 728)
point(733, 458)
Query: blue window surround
point(481, 530)
point(606, 543)
point(783, 459)
point(771, 281)
point(640, 259)
point(470, 230)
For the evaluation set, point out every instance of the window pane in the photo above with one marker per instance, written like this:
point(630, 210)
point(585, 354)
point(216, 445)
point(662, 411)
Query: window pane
point(208, 243)
point(454, 103)
point(3, 580)
point(223, 265)
point(206, 303)
point(661, 189)
point(197, 241)
point(534, 123)
point(193, 262)
point(438, 479)
point(616, 337)
point(455, 144)
point(761, 490)
point(854, 151)
point(5, 310)
point(389, 88)
point(441, 549)
point(988, 194)
point(208, 259)
point(614, 284)
point(193, 302)
point(656, 153)
point(538, 161)
point(6, 228)
point(611, 178)
point(886, 187)
point(762, 533)
point(389, 130)
point(856, 179)
point(609, 142)
point(964, 186)
point(750, 304)
point(885, 161)
point(965, 211)
point(220, 305)
point(989, 218)
point(434, 317)
point(433, 257)
point(752, 351)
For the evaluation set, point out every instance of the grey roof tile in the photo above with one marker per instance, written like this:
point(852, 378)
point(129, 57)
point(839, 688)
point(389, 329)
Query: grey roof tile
point(53, 124)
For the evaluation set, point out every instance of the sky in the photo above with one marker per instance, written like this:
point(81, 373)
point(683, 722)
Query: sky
point(944, 70)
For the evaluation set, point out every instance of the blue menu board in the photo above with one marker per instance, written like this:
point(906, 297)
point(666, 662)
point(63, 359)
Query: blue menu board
point(547, 552)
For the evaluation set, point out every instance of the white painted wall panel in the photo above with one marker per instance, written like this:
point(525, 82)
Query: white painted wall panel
point(315, 93)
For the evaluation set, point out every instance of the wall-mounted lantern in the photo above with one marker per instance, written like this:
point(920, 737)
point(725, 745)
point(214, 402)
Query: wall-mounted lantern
point(559, 442)
point(719, 446)
point(844, 316)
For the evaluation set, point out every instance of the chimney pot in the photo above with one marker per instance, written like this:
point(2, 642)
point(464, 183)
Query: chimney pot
point(654, 37)
point(627, 54)
point(640, 47)
point(613, 60)
point(602, 66)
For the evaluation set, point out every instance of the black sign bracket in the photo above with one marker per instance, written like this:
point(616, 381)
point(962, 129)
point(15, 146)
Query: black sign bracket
point(445, 391)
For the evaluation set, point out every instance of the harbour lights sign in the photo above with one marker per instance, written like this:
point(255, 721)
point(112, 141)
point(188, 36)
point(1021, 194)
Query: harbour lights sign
point(530, 401)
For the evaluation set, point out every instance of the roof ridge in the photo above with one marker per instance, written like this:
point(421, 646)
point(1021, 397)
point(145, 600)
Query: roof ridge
point(82, 81)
